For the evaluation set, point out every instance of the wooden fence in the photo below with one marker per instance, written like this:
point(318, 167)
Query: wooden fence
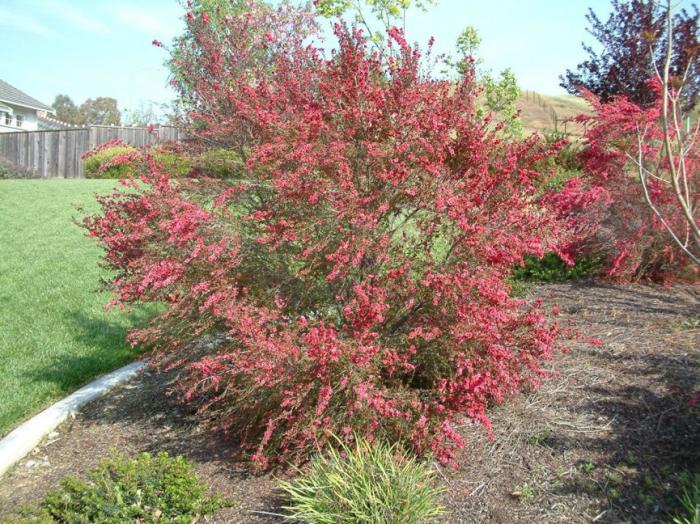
point(56, 154)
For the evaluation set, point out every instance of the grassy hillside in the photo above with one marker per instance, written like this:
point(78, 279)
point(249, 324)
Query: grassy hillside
point(54, 332)
point(547, 113)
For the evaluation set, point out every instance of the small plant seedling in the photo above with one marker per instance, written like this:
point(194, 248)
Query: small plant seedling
point(587, 467)
point(631, 458)
point(541, 437)
point(523, 491)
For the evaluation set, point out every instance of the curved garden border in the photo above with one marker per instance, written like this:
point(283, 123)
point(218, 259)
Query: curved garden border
point(28, 435)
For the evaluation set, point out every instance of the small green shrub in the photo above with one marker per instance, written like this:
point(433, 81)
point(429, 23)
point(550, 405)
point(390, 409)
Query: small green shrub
point(566, 164)
point(551, 268)
point(144, 489)
point(690, 502)
point(219, 163)
point(113, 162)
point(373, 484)
point(173, 163)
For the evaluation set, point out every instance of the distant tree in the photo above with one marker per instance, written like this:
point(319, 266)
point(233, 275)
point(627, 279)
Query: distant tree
point(66, 110)
point(501, 93)
point(101, 110)
point(141, 116)
point(633, 46)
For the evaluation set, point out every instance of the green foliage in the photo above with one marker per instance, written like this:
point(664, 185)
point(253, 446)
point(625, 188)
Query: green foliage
point(501, 96)
point(388, 12)
point(174, 163)
point(102, 110)
point(219, 163)
point(146, 488)
point(500, 93)
point(372, 483)
point(97, 164)
point(569, 157)
point(468, 41)
point(67, 111)
point(690, 503)
point(123, 161)
point(551, 268)
point(98, 111)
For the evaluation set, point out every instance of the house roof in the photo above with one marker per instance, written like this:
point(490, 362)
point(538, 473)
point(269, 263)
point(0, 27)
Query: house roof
point(12, 95)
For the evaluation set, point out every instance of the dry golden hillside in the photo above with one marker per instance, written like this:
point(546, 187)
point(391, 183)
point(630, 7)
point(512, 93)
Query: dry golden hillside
point(551, 113)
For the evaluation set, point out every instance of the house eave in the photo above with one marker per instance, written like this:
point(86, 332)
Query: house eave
point(36, 108)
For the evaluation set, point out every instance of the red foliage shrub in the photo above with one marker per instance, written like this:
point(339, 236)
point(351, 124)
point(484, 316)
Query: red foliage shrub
point(606, 207)
point(358, 267)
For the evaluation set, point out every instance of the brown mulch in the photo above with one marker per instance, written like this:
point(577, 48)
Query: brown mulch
point(609, 438)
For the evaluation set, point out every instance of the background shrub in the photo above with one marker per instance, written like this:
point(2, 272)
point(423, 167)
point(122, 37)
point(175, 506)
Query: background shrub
point(146, 488)
point(175, 163)
point(116, 161)
point(551, 268)
point(369, 483)
point(9, 171)
point(219, 163)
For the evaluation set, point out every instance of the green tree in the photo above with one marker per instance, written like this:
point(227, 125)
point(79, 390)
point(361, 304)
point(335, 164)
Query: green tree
point(389, 13)
point(101, 111)
point(66, 110)
point(500, 92)
point(142, 115)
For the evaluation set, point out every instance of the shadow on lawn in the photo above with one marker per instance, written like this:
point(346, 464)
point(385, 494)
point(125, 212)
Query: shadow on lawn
point(101, 347)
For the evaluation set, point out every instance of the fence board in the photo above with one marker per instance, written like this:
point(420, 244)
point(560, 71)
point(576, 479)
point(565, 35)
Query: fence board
point(56, 154)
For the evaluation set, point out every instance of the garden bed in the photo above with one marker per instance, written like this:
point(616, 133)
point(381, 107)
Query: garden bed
point(609, 438)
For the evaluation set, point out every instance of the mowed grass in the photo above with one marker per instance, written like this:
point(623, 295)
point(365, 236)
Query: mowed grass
point(55, 334)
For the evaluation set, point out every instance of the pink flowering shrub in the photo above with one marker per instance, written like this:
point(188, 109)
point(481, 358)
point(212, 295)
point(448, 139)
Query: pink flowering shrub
point(606, 208)
point(357, 266)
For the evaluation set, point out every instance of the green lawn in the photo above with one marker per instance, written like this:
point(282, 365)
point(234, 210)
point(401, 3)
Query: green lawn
point(54, 332)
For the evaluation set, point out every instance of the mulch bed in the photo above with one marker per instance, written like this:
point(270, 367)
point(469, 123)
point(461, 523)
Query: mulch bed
point(609, 438)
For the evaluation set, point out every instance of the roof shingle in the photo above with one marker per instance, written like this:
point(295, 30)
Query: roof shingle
point(13, 95)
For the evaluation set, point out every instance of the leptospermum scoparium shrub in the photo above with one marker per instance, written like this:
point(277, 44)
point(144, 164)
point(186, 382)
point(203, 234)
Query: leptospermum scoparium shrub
point(358, 265)
point(606, 205)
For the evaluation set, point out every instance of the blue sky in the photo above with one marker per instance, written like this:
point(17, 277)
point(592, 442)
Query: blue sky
point(90, 48)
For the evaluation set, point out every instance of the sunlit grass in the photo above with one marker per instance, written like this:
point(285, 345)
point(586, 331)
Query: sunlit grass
point(54, 332)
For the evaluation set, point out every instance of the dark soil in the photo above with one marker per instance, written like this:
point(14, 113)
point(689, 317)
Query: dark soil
point(609, 438)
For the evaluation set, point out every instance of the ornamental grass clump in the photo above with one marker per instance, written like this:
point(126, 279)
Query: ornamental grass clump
point(357, 264)
point(365, 482)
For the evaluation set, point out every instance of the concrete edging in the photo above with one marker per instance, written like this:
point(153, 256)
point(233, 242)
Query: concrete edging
point(28, 435)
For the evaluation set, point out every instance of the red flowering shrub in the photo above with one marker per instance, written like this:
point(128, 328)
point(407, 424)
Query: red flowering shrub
point(357, 266)
point(606, 207)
